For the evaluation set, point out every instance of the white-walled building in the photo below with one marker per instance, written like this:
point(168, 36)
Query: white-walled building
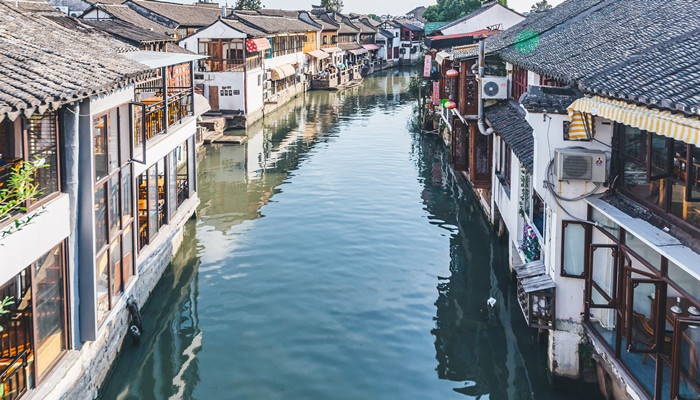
point(492, 15)
point(256, 63)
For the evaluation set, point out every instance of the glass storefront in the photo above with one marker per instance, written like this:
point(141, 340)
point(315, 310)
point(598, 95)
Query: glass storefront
point(644, 309)
point(34, 334)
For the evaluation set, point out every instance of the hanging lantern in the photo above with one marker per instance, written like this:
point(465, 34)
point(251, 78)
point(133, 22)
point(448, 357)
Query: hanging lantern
point(450, 105)
point(452, 73)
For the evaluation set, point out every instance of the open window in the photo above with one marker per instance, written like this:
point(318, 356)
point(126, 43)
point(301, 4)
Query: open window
point(645, 330)
point(138, 132)
point(685, 379)
point(602, 275)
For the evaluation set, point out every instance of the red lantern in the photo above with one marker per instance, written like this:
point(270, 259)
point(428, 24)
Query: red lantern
point(452, 73)
point(450, 105)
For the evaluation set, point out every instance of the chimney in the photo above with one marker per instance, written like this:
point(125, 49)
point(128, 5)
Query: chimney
point(223, 11)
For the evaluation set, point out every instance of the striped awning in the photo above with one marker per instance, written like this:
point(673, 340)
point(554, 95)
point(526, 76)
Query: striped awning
point(581, 127)
point(282, 71)
point(255, 45)
point(441, 56)
point(661, 122)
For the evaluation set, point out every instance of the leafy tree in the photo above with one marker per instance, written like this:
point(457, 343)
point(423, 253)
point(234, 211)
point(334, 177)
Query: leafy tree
point(374, 17)
point(541, 5)
point(18, 189)
point(333, 5)
point(248, 5)
point(450, 10)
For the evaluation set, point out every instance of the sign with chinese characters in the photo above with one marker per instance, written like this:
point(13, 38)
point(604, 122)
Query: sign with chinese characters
point(436, 93)
point(426, 66)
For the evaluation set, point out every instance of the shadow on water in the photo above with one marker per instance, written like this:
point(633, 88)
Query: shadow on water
point(312, 269)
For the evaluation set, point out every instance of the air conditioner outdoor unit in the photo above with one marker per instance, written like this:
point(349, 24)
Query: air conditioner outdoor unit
point(494, 87)
point(268, 75)
point(267, 84)
point(579, 164)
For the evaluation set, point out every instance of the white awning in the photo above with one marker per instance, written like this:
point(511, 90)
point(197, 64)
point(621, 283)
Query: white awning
point(159, 59)
point(664, 123)
point(442, 55)
point(201, 104)
point(282, 71)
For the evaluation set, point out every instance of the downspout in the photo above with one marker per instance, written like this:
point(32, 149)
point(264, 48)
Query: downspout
point(71, 134)
point(482, 62)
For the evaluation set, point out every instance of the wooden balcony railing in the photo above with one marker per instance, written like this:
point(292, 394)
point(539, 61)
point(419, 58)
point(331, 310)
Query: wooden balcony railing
point(152, 120)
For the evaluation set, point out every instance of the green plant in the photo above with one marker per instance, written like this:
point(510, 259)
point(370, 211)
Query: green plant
point(20, 188)
point(524, 201)
point(7, 301)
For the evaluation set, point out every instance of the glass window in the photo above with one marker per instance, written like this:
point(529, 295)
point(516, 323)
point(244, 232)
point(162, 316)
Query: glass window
point(182, 172)
point(152, 202)
point(99, 137)
point(160, 168)
point(128, 252)
point(42, 143)
point(574, 248)
point(115, 268)
point(113, 131)
point(114, 206)
point(641, 249)
point(605, 223)
point(102, 286)
point(50, 315)
point(191, 178)
point(172, 183)
point(683, 279)
point(100, 217)
point(127, 199)
point(143, 210)
point(538, 210)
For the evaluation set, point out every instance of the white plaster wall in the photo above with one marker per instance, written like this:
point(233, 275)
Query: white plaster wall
point(96, 14)
point(494, 15)
point(218, 30)
point(221, 79)
point(107, 101)
point(22, 248)
point(254, 96)
point(294, 58)
point(509, 207)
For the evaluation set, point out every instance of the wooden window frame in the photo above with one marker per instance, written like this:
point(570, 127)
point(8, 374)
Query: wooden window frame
point(587, 241)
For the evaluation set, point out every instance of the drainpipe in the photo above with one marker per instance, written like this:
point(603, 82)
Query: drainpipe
point(480, 75)
point(71, 155)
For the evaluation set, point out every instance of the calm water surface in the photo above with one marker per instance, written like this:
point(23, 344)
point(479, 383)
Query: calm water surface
point(334, 257)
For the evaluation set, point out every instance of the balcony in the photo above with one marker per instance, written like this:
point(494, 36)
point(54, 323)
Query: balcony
point(155, 115)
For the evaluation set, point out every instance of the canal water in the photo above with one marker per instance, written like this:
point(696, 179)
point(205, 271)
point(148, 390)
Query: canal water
point(334, 256)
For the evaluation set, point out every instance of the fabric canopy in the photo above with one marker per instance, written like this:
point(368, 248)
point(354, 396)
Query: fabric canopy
point(282, 71)
point(319, 54)
point(442, 55)
point(371, 47)
point(581, 127)
point(663, 123)
point(357, 52)
point(255, 45)
point(333, 50)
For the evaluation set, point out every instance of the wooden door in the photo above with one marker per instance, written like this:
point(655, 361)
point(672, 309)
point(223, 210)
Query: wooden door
point(214, 97)
point(396, 52)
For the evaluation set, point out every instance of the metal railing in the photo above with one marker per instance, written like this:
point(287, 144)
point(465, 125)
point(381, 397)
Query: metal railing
point(14, 379)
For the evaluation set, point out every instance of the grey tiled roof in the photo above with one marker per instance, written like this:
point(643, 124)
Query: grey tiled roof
point(667, 76)
point(44, 62)
point(349, 46)
point(183, 14)
point(274, 25)
point(545, 99)
point(125, 13)
point(241, 27)
point(408, 25)
point(508, 121)
point(131, 33)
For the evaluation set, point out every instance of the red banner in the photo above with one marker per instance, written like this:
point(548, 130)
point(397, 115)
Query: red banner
point(426, 65)
point(436, 93)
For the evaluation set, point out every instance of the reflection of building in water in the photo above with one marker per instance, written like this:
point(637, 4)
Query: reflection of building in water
point(173, 336)
point(474, 344)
